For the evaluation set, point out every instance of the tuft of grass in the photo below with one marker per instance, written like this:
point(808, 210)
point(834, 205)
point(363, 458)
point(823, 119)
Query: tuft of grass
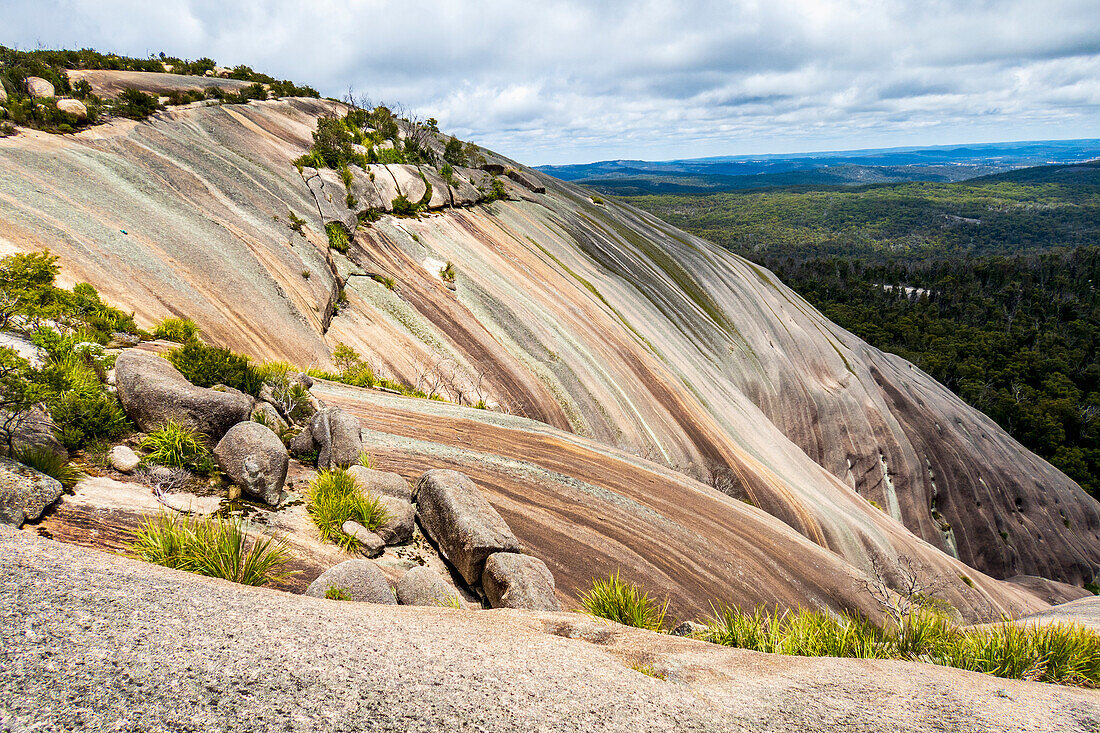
point(623, 602)
point(385, 280)
point(333, 498)
point(1056, 653)
point(337, 594)
point(178, 446)
point(211, 546)
point(448, 272)
point(365, 460)
point(451, 601)
point(180, 330)
point(337, 237)
point(45, 461)
point(648, 670)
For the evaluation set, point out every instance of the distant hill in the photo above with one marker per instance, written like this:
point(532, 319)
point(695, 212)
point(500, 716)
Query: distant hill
point(844, 168)
point(1078, 174)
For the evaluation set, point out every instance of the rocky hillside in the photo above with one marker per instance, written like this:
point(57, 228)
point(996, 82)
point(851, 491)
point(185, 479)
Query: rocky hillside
point(629, 367)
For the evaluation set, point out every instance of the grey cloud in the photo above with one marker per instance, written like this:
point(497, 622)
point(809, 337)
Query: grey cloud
point(564, 81)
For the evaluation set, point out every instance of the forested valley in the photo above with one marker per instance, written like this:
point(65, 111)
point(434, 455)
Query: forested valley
point(988, 285)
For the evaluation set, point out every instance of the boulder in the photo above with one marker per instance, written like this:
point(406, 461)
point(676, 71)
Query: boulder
point(382, 483)
point(370, 544)
point(399, 527)
point(38, 87)
point(34, 429)
point(526, 180)
point(362, 580)
point(463, 192)
point(74, 107)
point(271, 416)
point(24, 492)
point(3, 93)
point(455, 515)
point(123, 459)
point(301, 444)
point(336, 438)
point(422, 586)
point(373, 187)
point(511, 580)
point(253, 457)
point(153, 392)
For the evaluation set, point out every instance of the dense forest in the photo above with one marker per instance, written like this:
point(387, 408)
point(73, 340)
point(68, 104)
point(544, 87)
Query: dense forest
point(988, 285)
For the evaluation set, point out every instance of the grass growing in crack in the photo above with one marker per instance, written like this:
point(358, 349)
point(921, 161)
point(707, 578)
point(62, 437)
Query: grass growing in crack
point(177, 446)
point(46, 461)
point(623, 602)
point(648, 670)
point(211, 546)
point(333, 498)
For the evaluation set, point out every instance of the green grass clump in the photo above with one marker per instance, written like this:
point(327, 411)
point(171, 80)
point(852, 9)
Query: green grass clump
point(211, 546)
point(206, 366)
point(1057, 653)
point(45, 461)
point(178, 446)
point(623, 602)
point(180, 330)
point(337, 594)
point(337, 237)
point(333, 498)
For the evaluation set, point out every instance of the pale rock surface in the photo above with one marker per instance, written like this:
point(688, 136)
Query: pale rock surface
point(455, 515)
point(123, 458)
point(74, 107)
point(370, 544)
point(402, 519)
point(383, 483)
point(39, 88)
point(422, 586)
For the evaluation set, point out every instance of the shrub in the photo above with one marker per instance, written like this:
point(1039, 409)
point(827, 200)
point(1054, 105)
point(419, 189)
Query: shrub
point(45, 461)
point(180, 330)
point(337, 237)
point(177, 446)
point(206, 366)
point(337, 594)
point(624, 603)
point(296, 222)
point(448, 272)
point(403, 207)
point(211, 546)
point(81, 417)
point(333, 498)
point(135, 104)
point(497, 192)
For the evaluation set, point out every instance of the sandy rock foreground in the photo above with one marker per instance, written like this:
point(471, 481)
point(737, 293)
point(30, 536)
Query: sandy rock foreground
point(93, 641)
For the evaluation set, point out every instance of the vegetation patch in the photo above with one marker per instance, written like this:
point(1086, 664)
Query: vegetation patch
point(211, 546)
point(46, 461)
point(177, 446)
point(206, 366)
point(180, 330)
point(623, 602)
point(333, 498)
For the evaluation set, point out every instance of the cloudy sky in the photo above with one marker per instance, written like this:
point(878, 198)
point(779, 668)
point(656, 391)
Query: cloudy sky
point(569, 82)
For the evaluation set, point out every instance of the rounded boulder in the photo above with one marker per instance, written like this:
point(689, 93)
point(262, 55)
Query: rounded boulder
point(254, 458)
point(360, 579)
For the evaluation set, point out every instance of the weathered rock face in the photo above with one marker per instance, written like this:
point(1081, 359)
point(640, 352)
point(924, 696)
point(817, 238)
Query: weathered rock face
point(422, 586)
point(457, 518)
point(152, 392)
point(399, 527)
point(74, 107)
point(24, 492)
point(598, 321)
point(362, 580)
point(511, 580)
point(382, 483)
point(38, 87)
point(254, 458)
point(370, 544)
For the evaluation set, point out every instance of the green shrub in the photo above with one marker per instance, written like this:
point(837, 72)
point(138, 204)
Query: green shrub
point(45, 461)
point(177, 446)
point(496, 192)
point(296, 222)
point(81, 417)
point(337, 594)
point(387, 282)
point(333, 498)
point(403, 207)
point(206, 366)
point(211, 546)
point(337, 237)
point(135, 104)
point(180, 330)
point(448, 272)
point(624, 603)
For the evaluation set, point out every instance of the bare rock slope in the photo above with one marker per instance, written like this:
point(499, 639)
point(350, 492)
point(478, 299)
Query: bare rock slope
point(96, 642)
point(595, 319)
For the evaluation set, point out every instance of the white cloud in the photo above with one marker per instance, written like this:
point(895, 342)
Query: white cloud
point(563, 81)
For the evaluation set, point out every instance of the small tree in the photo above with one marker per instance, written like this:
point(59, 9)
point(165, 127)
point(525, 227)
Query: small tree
point(20, 391)
point(900, 587)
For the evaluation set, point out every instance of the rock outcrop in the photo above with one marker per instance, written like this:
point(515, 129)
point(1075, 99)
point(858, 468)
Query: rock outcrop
point(334, 434)
point(152, 392)
point(33, 429)
point(74, 107)
point(370, 544)
point(383, 483)
point(123, 459)
point(455, 515)
point(398, 528)
point(24, 492)
point(254, 458)
point(422, 586)
point(511, 580)
point(38, 87)
point(360, 579)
